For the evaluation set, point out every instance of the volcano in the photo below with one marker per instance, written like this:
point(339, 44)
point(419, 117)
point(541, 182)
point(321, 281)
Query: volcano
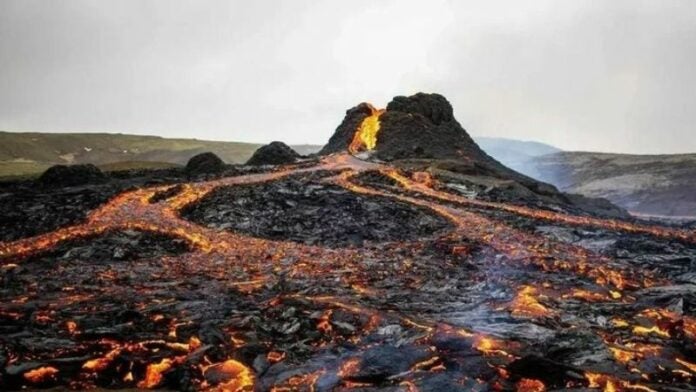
point(419, 126)
point(420, 132)
point(402, 258)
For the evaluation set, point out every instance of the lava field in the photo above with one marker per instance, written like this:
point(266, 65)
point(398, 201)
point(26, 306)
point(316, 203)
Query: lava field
point(439, 292)
point(335, 274)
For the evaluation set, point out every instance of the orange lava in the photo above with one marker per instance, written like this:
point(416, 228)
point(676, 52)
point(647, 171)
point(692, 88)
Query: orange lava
point(349, 368)
point(530, 385)
point(71, 326)
point(304, 382)
point(99, 364)
point(365, 138)
point(235, 377)
point(40, 375)
point(526, 304)
point(153, 373)
point(275, 356)
point(490, 346)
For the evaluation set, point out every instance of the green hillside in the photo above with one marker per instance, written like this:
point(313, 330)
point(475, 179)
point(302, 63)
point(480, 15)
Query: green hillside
point(29, 153)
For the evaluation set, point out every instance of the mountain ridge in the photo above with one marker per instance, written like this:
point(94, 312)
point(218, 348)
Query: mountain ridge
point(658, 185)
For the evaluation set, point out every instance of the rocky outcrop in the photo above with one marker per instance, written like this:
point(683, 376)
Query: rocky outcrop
point(205, 163)
point(434, 107)
point(275, 153)
point(64, 175)
point(423, 126)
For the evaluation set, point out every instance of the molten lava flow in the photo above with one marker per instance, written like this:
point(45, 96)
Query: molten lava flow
point(365, 137)
point(231, 376)
point(633, 351)
point(100, 364)
point(153, 373)
point(655, 330)
point(324, 324)
point(349, 368)
point(426, 364)
point(71, 326)
point(530, 385)
point(688, 365)
point(612, 384)
point(608, 224)
point(490, 346)
point(305, 382)
point(526, 304)
point(423, 178)
point(589, 296)
point(40, 375)
point(275, 356)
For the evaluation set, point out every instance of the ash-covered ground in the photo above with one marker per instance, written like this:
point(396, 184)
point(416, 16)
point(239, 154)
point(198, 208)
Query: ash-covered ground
point(337, 273)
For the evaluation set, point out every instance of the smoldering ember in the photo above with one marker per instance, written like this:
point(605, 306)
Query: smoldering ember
point(400, 258)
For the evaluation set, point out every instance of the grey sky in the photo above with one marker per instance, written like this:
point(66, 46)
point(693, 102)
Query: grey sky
point(583, 75)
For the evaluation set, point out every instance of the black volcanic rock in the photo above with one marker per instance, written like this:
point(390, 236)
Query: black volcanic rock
point(434, 107)
point(119, 245)
point(308, 211)
point(63, 175)
point(423, 126)
point(203, 163)
point(275, 153)
point(380, 362)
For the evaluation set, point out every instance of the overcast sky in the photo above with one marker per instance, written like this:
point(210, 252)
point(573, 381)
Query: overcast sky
point(582, 75)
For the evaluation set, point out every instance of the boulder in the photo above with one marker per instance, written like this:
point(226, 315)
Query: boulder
point(275, 153)
point(72, 175)
point(434, 107)
point(205, 163)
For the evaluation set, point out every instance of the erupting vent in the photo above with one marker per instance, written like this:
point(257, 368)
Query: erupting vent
point(365, 138)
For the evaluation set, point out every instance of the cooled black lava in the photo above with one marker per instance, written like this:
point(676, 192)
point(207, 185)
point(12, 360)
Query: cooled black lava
point(308, 211)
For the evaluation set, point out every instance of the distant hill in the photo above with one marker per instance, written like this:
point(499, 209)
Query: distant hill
point(515, 154)
point(644, 184)
point(661, 185)
point(29, 153)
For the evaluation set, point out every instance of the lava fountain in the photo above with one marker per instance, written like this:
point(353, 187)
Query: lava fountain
point(365, 137)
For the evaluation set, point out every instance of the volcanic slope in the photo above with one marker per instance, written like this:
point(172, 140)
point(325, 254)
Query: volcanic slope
point(506, 297)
